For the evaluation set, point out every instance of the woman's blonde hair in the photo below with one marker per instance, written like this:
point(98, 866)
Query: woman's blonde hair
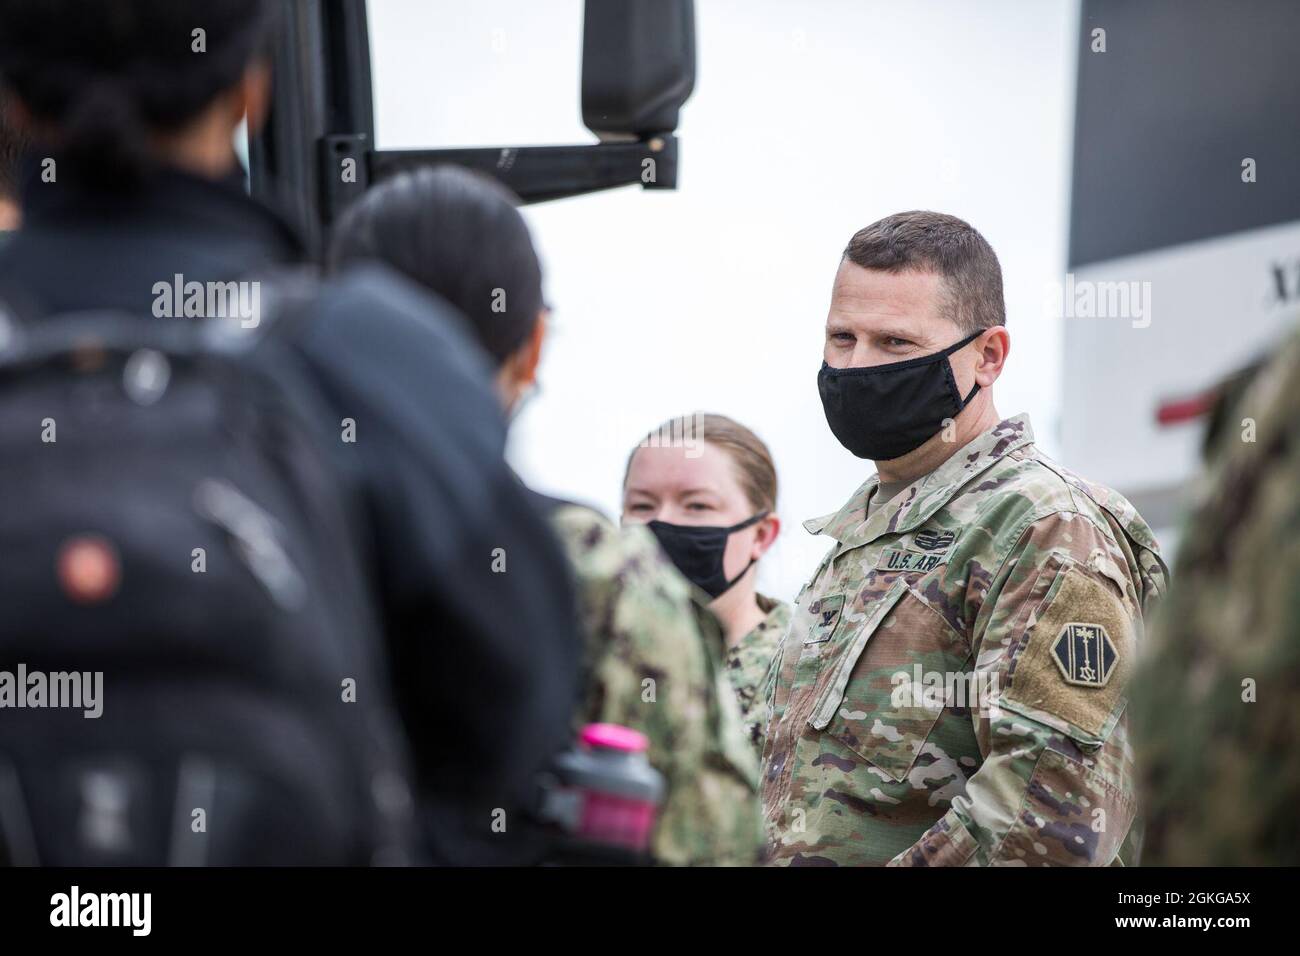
point(746, 450)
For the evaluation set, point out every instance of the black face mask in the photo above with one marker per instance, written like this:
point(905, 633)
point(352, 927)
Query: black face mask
point(885, 411)
point(697, 551)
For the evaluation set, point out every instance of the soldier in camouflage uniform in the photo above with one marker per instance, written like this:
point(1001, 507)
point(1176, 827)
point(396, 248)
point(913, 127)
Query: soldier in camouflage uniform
point(952, 687)
point(1216, 720)
point(655, 664)
point(706, 487)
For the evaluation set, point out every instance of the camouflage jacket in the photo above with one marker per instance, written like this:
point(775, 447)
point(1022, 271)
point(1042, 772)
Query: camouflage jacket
point(1216, 724)
point(654, 663)
point(951, 689)
point(748, 661)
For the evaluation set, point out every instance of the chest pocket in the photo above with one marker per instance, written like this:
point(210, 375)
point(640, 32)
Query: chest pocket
point(798, 659)
point(892, 680)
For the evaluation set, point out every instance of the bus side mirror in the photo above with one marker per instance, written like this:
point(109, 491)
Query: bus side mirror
point(638, 65)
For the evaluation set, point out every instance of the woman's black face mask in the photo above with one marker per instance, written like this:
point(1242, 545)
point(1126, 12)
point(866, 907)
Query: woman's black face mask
point(884, 411)
point(697, 551)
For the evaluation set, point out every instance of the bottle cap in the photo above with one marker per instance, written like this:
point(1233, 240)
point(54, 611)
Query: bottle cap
point(614, 737)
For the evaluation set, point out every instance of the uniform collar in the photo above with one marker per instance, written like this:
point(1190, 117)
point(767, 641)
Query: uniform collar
point(913, 506)
point(777, 617)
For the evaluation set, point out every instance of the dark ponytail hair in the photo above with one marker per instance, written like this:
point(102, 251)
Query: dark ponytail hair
point(458, 233)
point(103, 135)
point(100, 76)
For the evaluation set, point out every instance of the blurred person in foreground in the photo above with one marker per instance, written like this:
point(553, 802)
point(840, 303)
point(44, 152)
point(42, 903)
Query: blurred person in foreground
point(140, 125)
point(653, 655)
point(705, 486)
point(1216, 723)
point(952, 689)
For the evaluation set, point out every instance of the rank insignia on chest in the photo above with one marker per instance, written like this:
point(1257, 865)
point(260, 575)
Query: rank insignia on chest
point(1085, 654)
point(934, 540)
point(824, 614)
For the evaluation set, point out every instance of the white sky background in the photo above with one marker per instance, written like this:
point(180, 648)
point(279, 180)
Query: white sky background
point(809, 120)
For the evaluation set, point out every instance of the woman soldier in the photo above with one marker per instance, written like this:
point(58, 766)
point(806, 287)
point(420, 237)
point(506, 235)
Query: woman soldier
point(706, 487)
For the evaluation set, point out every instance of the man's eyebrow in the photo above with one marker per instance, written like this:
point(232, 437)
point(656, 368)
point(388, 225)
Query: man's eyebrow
point(833, 327)
point(698, 491)
point(889, 333)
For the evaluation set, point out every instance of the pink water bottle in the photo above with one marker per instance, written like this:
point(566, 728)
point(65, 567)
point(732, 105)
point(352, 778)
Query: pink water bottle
point(614, 792)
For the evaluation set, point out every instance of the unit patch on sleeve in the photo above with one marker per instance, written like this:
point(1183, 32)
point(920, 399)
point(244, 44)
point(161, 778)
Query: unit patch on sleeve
point(1072, 667)
point(1085, 654)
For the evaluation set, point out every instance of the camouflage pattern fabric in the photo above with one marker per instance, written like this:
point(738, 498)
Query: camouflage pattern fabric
point(748, 661)
point(654, 663)
point(951, 689)
point(1215, 715)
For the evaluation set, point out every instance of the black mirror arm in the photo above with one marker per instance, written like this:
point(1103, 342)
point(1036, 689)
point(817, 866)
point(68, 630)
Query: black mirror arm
point(534, 173)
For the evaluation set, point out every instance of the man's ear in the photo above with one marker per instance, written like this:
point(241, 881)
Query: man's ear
point(994, 347)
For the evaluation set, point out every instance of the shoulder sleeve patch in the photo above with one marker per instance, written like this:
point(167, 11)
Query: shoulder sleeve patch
point(1075, 664)
point(1085, 654)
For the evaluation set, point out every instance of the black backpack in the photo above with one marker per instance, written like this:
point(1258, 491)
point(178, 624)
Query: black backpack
point(170, 519)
